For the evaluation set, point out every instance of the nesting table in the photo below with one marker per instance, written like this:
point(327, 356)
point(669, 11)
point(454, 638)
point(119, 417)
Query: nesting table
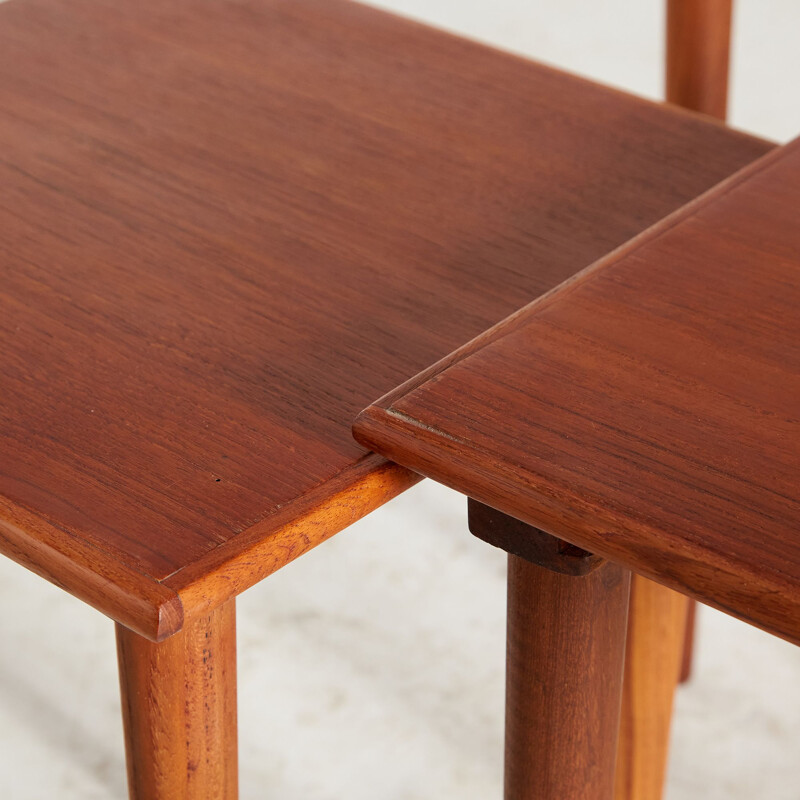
point(645, 416)
point(224, 232)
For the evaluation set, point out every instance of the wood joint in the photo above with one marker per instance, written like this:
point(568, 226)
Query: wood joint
point(532, 544)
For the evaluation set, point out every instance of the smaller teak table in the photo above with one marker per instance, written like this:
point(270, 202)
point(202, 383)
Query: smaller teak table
point(646, 412)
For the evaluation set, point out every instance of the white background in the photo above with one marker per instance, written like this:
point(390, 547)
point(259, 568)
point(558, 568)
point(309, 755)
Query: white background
point(373, 666)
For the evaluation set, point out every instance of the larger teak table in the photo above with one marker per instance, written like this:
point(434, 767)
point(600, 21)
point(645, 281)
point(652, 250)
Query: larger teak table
point(647, 412)
point(224, 230)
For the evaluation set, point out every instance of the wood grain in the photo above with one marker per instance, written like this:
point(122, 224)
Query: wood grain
point(566, 645)
point(647, 410)
point(223, 233)
point(698, 54)
point(697, 65)
point(291, 532)
point(144, 606)
point(653, 651)
point(179, 710)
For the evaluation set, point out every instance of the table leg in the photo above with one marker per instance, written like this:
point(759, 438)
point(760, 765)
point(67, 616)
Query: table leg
point(689, 641)
point(698, 46)
point(566, 646)
point(653, 655)
point(179, 710)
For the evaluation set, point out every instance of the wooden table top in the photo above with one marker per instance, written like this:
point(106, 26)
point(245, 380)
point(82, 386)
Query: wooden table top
point(647, 410)
point(225, 232)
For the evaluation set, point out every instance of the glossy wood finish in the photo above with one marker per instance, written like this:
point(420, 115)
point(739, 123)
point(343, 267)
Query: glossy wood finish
point(653, 654)
point(566, 644)
point(647, 409)
point(698, 54)
point(179, 710)
point(224, 233)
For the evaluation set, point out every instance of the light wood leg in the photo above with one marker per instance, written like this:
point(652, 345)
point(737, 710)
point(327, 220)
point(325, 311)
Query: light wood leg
point(698, 52)
point(179, 710)
point(566, 645)
point(654, 652)
point(687, 658)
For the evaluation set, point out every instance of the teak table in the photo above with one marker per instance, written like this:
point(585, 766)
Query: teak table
point(646, 412)
point(224, 232)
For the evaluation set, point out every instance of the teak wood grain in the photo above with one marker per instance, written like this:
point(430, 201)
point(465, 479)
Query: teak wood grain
point(179, 710)
point(566, 646)
point(646, 410)
point(223, 233)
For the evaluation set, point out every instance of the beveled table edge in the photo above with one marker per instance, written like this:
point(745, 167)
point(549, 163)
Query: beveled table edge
point(158, 609)
point(286, 534)
point(128, 596)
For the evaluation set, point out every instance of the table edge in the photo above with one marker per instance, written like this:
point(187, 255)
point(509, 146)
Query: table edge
point(492, 480)
point(157, 609)
point(130, 597)
point(287, 533)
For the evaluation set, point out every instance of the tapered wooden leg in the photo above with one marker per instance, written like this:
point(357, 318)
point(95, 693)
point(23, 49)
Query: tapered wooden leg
point(179, 710)
point(566, 645)
point(653, 656)
point(687, 659)
point(698, 49)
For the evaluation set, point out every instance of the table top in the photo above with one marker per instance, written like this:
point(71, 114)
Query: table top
point(225, 232)
point(647, 410)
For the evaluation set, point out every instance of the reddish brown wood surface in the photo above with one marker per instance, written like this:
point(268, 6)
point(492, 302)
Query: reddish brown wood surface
point(566, 646)
point(179, 710)
point(698, 54)
point(223, 233)
point(654, 647)
point(646, 410)
point(698, 44)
